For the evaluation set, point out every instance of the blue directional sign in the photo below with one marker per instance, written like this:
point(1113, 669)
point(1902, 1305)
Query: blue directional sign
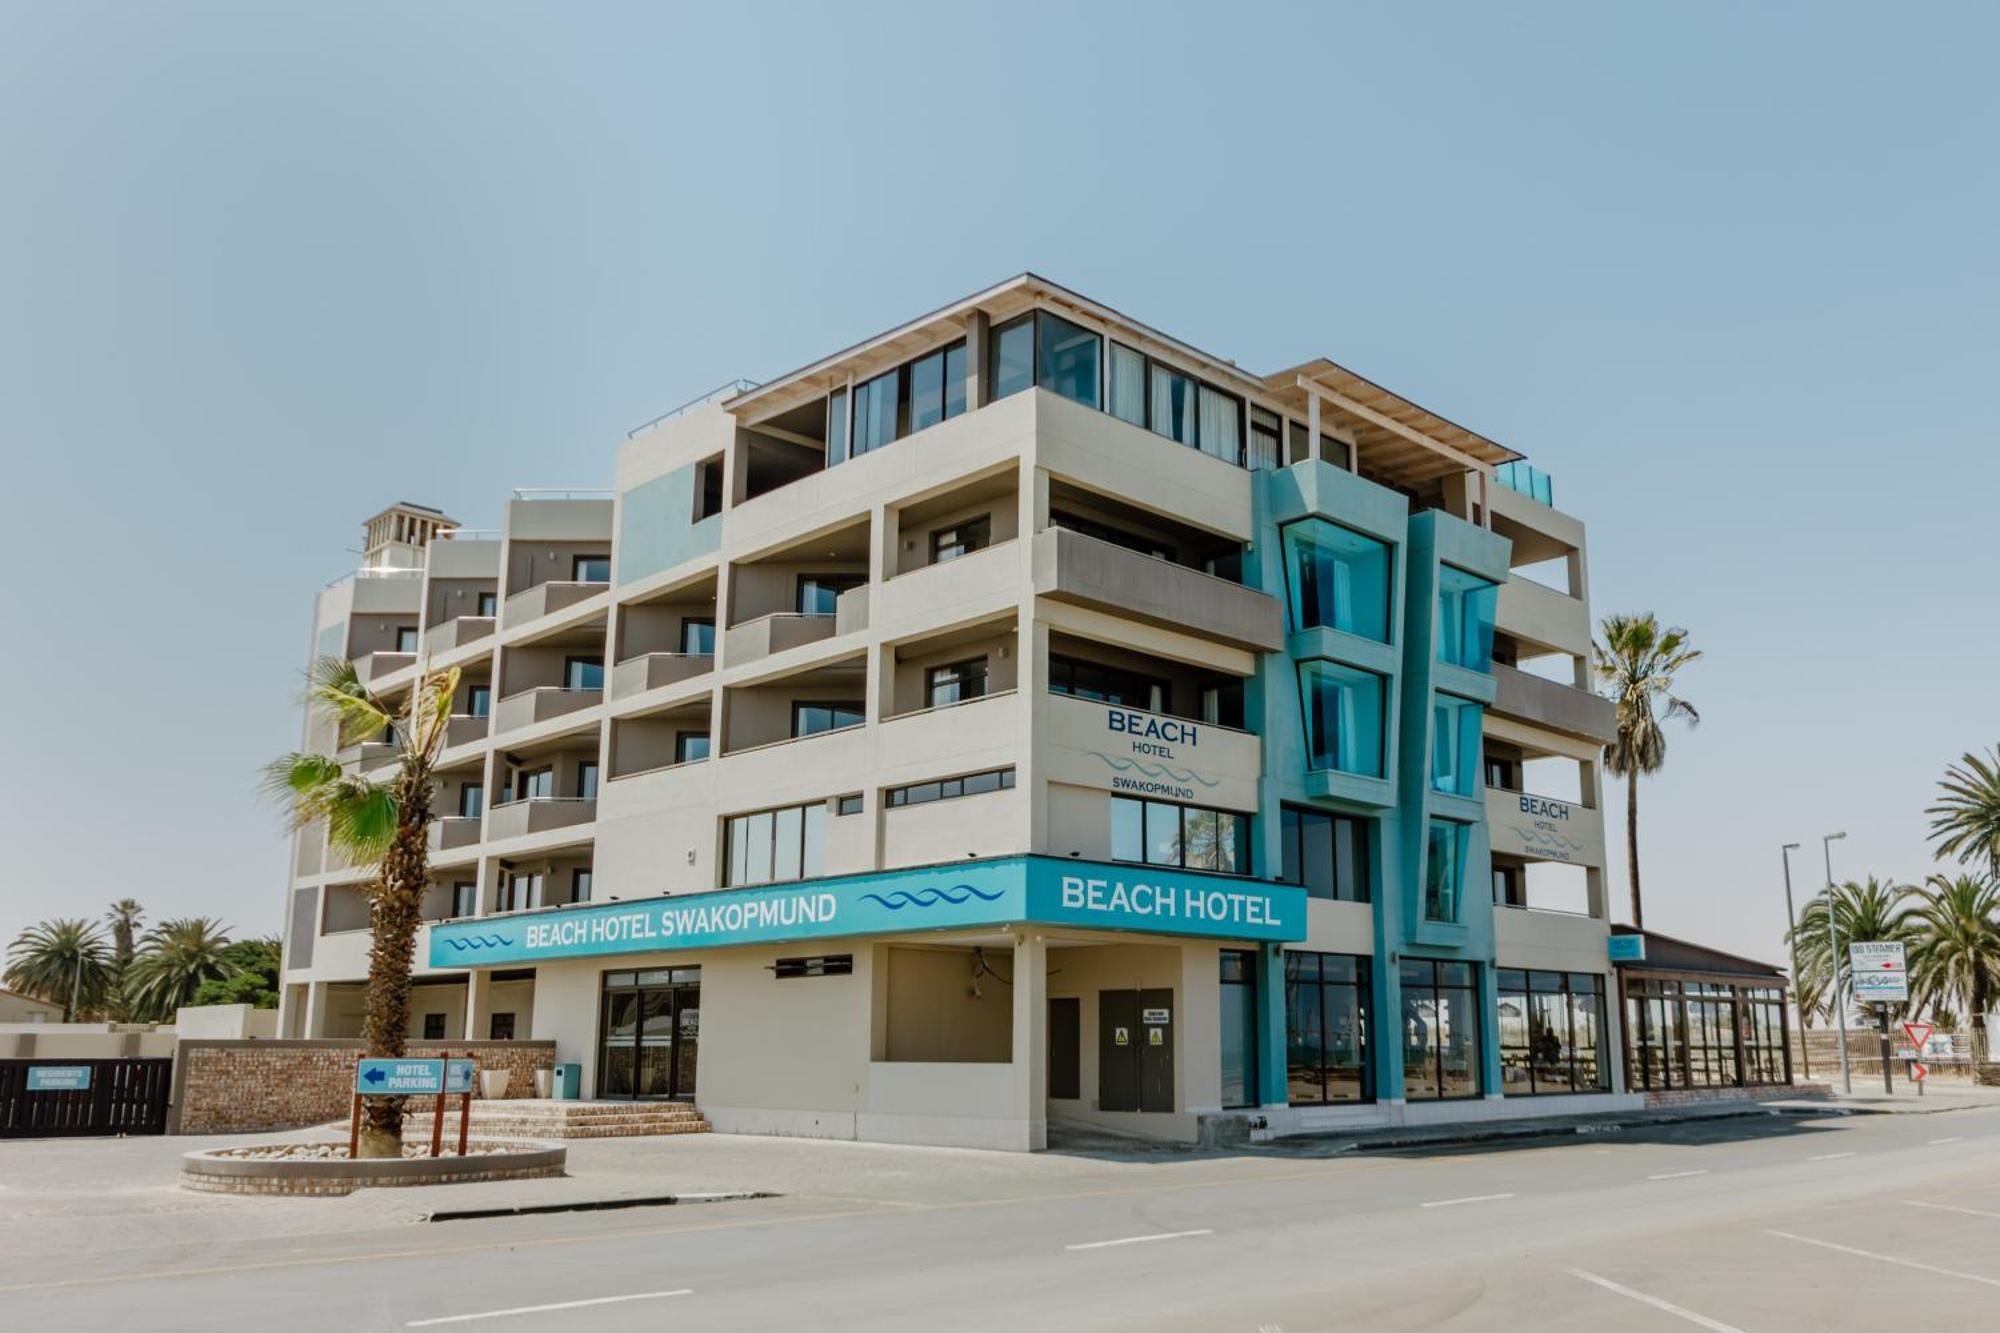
point(458, 1075)
point(399, 1078)
point(58, 1078)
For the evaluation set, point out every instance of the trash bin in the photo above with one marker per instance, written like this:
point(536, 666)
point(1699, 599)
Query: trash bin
point(569, 1082)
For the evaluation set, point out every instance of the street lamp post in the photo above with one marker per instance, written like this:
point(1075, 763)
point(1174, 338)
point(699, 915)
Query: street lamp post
point(1833, 961)
point(1791, 926)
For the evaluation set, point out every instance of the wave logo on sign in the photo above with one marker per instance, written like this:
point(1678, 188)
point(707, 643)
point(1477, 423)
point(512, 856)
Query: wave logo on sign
point(957, 895)
point(474, 943)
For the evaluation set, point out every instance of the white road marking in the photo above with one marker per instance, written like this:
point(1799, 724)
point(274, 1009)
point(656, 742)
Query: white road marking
point(1955, 1138)
point(542, 1309)
point(1677, 1175)
point(1470, 1198)
point(1952, 1208)
point(1829, 1156)
point(1714, 1325)
point(1138, 1240)
point(1890, 1259)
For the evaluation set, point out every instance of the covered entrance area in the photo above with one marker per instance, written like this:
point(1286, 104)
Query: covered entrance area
point(649, 1034)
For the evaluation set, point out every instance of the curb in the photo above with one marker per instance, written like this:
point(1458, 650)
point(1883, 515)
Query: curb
point(597, 1205)
point(1504, 1133)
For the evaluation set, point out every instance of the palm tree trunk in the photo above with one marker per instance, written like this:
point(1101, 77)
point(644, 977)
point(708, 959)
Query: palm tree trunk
point(394, 914)
point(1978, 1023)
point(1632, 843)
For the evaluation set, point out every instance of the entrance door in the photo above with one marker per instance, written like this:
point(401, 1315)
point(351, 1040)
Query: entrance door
point(649, 1033)
point(1135, 1050)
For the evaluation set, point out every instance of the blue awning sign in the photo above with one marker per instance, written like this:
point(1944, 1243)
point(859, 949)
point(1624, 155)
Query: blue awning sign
point(1015, 890)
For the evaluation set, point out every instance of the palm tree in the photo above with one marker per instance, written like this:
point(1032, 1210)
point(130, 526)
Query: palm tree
point(1635, 661)
point(176, 957)
point(123, 919)
point(61, 961)
point(1875, 910)
point(1956, 960)
point(1965, 822)
point(384, 822)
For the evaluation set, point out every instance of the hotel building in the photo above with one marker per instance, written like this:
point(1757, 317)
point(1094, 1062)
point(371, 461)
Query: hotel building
point(1018, 719)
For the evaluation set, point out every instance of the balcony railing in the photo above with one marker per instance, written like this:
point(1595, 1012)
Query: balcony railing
point(465, 729)
point(1522, 479)
point(450, 831)
point(545, 599)
point(377, 665)
point(457, 632)
point(539, 814)
point(650, 671)
point(540, 705)
point(1073, 567)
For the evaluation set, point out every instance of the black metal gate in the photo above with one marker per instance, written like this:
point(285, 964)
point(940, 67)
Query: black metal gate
point(83, 1097)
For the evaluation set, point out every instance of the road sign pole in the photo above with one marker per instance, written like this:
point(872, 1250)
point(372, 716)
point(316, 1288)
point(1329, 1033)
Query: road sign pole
point(1882, 1018)
point(354, 1118)
point(465, 1109)
point(437, 1123)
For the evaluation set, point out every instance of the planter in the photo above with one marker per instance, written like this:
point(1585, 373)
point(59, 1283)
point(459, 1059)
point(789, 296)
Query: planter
point(545, 1083)
point(493, 1083)
point(251, 1171)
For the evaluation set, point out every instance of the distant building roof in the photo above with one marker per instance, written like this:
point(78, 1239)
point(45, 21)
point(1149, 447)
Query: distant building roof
point(1664, 953)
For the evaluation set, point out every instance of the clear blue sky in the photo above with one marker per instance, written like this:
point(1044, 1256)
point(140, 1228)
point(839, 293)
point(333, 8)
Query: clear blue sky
point(1730, 276)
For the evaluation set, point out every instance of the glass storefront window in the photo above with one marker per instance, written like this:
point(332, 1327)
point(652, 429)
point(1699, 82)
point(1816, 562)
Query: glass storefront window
point(1551, 1032)
point(1326, 1029)
point(1440, 1030)
point(1338, 579)
point(1455, 727)
point(1466, 607)
point(1444, 868)
point(1343, 708)
point(1239, 1028)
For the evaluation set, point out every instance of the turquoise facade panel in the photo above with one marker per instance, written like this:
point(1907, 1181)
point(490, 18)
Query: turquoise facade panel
point(657, 529)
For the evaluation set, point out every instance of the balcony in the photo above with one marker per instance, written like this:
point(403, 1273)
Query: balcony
point(1547, 703)
point(465, 729)
point(540, 705)
point(539, 814)
point(451, 831)
point(377, 665)
point(457, 633)
point(1542, 828)
point(759, 638)
point(1542, 615)
point(1088, 571)
point(545, 599)
point(651, 671)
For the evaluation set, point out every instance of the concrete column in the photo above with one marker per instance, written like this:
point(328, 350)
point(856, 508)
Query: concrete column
point(478, 1004)
point(1198, 1029)
point(1272, 1089)
point(315, 1024)
point(977, 327)
point(1031, 1037)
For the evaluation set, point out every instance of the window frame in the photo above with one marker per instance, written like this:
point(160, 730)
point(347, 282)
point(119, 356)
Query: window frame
point(577, 562)
point(858, 706)
point(570, 663)
point(962, 672)
point(1244, 842)
point(810, 866)
point(963, 542)
point(943, 789)
point(1361, 837)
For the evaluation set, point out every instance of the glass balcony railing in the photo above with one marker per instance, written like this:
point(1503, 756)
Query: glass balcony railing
point(1529, 481)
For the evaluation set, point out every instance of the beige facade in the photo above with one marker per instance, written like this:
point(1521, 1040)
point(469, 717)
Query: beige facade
point(646, 671)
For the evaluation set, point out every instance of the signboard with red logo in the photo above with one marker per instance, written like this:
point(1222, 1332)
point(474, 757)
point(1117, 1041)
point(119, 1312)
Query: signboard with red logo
point(1879, 971)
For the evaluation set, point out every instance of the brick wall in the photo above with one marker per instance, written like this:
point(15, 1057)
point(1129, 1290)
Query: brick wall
point(241, 1087)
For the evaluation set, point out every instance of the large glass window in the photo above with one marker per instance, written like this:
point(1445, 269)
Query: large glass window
point(955, 682)
point(926, 391)
point(772, 846)
point(690, 746)
point(591, 569)
point(1325, 852)
point(1466, 607)
point(1343, 707)
point(1219, 424)
point(961, 539)
point(583, 673)
point(1440, 1030)
point(1326, 1029)
point(1551, 1033)
point(1172, 404)
point(1066, 359)
point(877, 410)
point(1444, 868)
point(810, 719)
point(1239, 1027)
point(698, 637)
point(836, 426)
point(1161, 833)
point(1454, 746)
point(1012, 367)
point(1266, 442)
point(1339, 579)
point(1112, 685)
point(819, 594)
point(479, 700)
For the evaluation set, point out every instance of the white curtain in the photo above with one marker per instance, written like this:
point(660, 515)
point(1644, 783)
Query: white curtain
point(1221, 425)
point(1128, 385)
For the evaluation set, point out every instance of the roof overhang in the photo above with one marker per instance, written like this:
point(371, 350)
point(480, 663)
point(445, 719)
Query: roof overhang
point(1394, 437)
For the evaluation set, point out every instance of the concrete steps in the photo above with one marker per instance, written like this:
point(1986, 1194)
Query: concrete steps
point(535, 1118)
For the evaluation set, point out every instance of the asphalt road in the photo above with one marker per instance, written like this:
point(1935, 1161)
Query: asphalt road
point(1876, 1222)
